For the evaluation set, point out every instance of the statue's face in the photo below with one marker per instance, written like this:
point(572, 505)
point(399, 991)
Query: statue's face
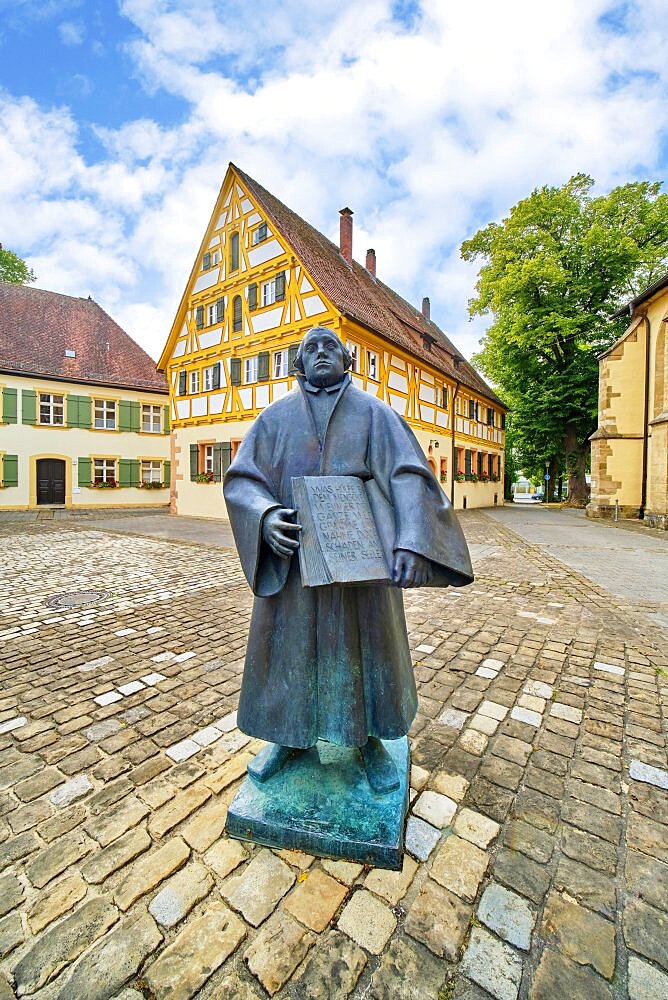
point(322, 357)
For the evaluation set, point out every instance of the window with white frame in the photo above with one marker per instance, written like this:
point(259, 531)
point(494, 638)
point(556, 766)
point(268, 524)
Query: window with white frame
point(280, 364)
point(105, 470)
point(208, 378)
point(105, 414)
point(51, 409)
point(250, 369)
point(269, 292)
point(372, 365)
point(151, 418)
point(151, 472)
point(208, 458)
point(211, 314)
point(194, 382)
point(354, 352)
point(259, 235)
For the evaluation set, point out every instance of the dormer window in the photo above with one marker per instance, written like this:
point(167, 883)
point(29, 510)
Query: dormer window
point(70, 354)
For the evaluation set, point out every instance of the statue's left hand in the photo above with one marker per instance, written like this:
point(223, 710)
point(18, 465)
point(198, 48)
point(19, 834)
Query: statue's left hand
point(410, 569)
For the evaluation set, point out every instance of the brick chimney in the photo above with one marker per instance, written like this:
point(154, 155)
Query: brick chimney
point(346, 234)
point(426, 308)
point(371, 262)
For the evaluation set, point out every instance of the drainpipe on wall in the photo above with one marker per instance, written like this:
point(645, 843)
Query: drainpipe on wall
point(452, 452)
point(645, 426)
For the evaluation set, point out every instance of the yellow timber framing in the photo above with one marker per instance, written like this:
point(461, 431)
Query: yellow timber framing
point(235, 211)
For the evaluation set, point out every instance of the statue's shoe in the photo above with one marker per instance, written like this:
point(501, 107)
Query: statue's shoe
point(269, 761)
point(380, 769)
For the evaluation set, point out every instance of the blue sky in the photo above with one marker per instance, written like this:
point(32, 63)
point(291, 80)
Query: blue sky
point(429, 118)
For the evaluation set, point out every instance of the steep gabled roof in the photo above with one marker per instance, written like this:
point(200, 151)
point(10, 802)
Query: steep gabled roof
point(37, 328)
point(363, 298)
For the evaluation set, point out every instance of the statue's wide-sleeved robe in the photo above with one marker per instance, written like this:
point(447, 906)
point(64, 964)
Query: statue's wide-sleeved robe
point(333, 662)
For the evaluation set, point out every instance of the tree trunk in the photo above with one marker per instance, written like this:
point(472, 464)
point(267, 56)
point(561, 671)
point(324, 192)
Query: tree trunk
point(576, 463)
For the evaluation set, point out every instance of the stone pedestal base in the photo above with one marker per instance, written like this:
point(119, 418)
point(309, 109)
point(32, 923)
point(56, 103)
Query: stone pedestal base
point(320, 802)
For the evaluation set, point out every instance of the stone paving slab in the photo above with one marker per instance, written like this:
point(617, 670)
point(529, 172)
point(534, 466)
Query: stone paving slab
point(537, 844)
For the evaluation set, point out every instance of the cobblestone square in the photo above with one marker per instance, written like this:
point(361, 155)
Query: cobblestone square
point(537, 862)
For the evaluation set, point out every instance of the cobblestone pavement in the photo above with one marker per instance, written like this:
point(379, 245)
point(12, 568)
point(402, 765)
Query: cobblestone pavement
point(537, 861)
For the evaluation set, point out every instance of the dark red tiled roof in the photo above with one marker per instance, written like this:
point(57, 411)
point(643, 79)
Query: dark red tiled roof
point(365, 299)
point(37, 327)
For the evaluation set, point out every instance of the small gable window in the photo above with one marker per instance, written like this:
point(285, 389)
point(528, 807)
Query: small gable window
point(259, 235)
point(206, 261)
point(237, 314)
point(234, 252)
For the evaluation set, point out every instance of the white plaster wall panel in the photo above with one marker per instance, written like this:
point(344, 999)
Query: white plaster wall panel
point(179, 349)
point(397, 382)
point(358, 382)
point(262, 395)
point(222, 219)
point(287, 313)
point(239, 191)
point(247, 206)
point(399, 363)
point(184, 328)
point(426, 377)
point(298, 310)
point(313, 305)
point(248, 329)
point(306, 285)
point(441, 419)
point(211, 337)
point(279, 390)
point(398, 403)
point(228, 404)
point(228, 199)
point(183, 408)
point(246, 397)
point(427, 413)
point(467, 428)
point(253, 219)
point(199, 406)
point(268, 320)
point(214, 242)
point(216, 402)
point(264, 252)
point(460, 424)
point(206, 280)
point(427, 393)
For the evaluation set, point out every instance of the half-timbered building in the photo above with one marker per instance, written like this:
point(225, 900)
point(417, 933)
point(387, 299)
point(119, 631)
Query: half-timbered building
point(262, 277)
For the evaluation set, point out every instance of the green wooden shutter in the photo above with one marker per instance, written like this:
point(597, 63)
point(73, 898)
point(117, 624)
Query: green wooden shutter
point(125, 415)
point(216, 376)
point(263, 366)
point(125, 472)
point(165, 420)
point(467, 463)
point(220, 310)
point(252, 297)
point(235, 371)
point(135, 415)
point(182, 384)
point(84, 467)
point(10, 470)
point(194, 460)
point(292, 357)
point(227, 455)
point(480, 458)
point(503, 421)
point(217, 462)
point(135, 475)
point(199, 317)
point(72, 408)
point(166, 473)
point(280, 286)
point(28, 406)
point(85, 409)
point(9, 405)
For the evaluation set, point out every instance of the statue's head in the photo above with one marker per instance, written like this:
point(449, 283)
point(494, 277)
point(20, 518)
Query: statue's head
point(322, 357)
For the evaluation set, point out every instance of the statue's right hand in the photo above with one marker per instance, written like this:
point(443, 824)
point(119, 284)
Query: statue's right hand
point(274, 531)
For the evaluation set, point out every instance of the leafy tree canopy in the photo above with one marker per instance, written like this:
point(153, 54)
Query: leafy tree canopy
point(13, 269)
point(552, 273)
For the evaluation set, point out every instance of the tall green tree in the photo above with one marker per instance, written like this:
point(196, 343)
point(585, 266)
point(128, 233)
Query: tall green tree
point(13, 269)
point(552, 274)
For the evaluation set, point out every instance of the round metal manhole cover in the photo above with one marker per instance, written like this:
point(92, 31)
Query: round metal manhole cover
point(77, 600)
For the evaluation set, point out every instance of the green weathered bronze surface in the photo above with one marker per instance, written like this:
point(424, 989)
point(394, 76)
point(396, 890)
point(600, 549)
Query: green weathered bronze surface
point(320, 802)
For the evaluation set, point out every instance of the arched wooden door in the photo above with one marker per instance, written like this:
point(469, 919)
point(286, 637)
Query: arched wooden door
point(50, 480)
